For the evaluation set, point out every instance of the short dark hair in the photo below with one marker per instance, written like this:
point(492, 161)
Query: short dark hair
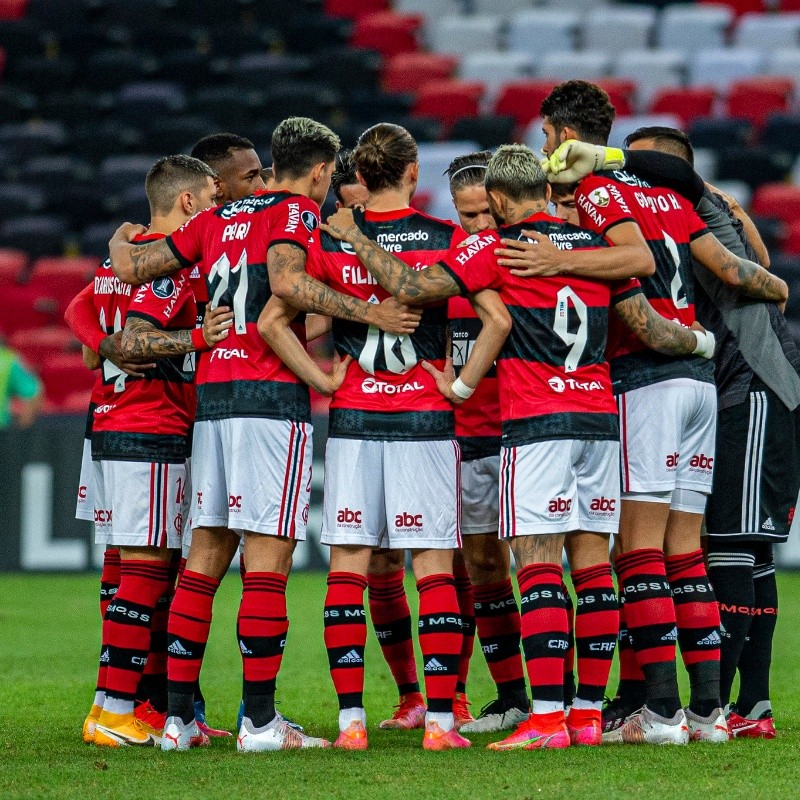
point(468, 170)
point(671, 140)
point(170, 176)
point(582, 106)
point(298, 143)
point(382, 154)
point(560, 190)
point(344, 173)
point(219, 147)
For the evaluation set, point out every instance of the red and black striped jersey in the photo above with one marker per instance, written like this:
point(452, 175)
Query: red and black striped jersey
point(478, 426)
point(242, 376)
point(668, 224)
point(387, 395)
point(552, 372)
point(149, 418)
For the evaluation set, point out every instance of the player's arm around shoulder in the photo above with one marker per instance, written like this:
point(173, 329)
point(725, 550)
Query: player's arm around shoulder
point(138, 263)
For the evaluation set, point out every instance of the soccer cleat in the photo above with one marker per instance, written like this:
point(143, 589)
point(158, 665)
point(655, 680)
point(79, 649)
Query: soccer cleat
point(410, 713)
point(502, 714)
point(539, 731)
point(740, 727)
point(615, 712)
point(203, 726)
point(437, 739)
point(646, 727)
point(584, 727)
point(461, 712)
point(180, 735)
point(90, 723)
point(124, 730)
point(354, 737)
point(278, 735)
point(712, 728)
point(146, 713)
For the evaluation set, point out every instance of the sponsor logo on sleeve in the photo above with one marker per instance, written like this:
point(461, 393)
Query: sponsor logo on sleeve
point(309, 219)
point(163, 288)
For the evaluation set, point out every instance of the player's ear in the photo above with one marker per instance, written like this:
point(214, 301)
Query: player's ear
point(548, 191)
point(361, 180)
point(567, 133)
point(318, 171)
point(188, 203)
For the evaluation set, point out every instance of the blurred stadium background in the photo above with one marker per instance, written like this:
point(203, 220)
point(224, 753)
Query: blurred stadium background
point(93, 91)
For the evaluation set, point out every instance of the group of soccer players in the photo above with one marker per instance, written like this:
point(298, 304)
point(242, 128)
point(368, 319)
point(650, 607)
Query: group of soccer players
point(484, 402)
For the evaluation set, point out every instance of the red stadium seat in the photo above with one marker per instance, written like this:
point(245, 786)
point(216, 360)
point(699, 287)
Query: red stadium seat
point(791, 239)
point(522, 100)
point(13, 9)
point(689, 103)
point(387, 33)
point(739, 7)
point(12, 266)
point(74, 402)
point(35, 344)
point(63, 374)
point(2, 61)
point(448, 101)
point(778, 200)
point(352, 9)
point(25, 308)
point(620, 92)
point(62, 278)
point(755, 99)
point(408, 72)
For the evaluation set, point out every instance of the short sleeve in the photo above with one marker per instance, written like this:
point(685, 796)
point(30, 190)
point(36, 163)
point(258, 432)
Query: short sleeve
point(697, 227)
point(186, 243)
point(315, 259)
point(162, 300)
point(294, 222)
point(601, 204)
point(472, 262)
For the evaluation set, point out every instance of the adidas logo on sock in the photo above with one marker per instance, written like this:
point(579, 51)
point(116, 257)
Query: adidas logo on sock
point(435, 666)
point(177, 649)
point(712, 638)
point(768, 525)
point(104, 659)
point(244, 648)
point(351, 658)
point(672, 636)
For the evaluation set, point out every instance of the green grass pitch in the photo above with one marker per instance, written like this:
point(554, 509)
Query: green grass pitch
point(49, 629)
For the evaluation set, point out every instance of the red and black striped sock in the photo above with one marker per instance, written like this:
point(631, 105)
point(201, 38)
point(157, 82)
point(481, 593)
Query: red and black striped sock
point(498, 623)
point(439, 639)
point(187, 636)
point(466, 607)
point(391, 618)
point(569, 657)
point(596, 630)
point(545, 631)
point(346, 636)
point(697, 616)
point(650, 615)
point(631, 687)
point(109, 583)
point(262, 627)
point(127, 624)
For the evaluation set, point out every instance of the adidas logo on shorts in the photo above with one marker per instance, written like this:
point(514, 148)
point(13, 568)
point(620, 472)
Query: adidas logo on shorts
point(435, 666)
point(712, 639)
point(177, 649)
point(672, 636)
point(768, 525)
point(351, 658)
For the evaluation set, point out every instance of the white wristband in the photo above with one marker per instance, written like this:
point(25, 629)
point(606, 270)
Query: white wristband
point(460, 389)
point(705, 344)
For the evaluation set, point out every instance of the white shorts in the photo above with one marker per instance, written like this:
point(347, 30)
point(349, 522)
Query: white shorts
point(480, 512)
point(252, 474)
point(84, 506)
point(186, 538)
point(668, 433)
point(392, 494)
point(142, 503)
point(559, 486)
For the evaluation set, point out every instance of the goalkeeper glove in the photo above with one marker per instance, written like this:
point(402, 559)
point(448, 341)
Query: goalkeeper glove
point(574, 160)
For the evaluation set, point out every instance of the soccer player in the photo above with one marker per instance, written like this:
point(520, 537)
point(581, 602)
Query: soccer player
point(140, 437)
point(251, 454)
point(392, 462)
point(559, 419)
point(235, 162)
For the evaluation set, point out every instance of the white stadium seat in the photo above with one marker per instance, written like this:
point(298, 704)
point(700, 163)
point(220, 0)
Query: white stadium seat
point(534, 137)
point(784, 62)
point(719, 68)
point(693, 27)
point(435, 158)
point(618, 28)
point(625, 125)
point(442, 204)
point(767, 31)
point(652, 70)
point(543, 31)
point(495, 69)
point(461, 34)
point(503, 8)
point(431, 8)
point(565, 66)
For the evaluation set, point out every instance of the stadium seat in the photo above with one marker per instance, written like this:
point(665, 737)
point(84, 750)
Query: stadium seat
point(740, 191)
point(406, 72)
point(431, 8)
point(95, 141)
point(441, 205)
point(504, 8)
point(720, 68)
point(75, 402)
point(791, 238)
point(61, 278)
point(194, 67)
point(566, 65)
point(40, 73)
point(13, 9)
point(783, 62)
point(348, 70)
point(738, 7)
point(752, 165)
point(25, 140)
point(231, 107)
point(689, 103)
point(690, 28)
point(448, 101)
point(13, 266)
point(541, 31)
point(308, 33)
point(489, 131)
point(35, 344)
point(435, 158)
point(626, 125)
point(131, 204)
point(24, 308)
point(258, 70)
point(717, 134)
point(300, 98)
point(20, 198)
point(523, 99)
point(354, 8)
point(118, 172)
point(756, 98)
point(140, 102)
point(38, 234)
point(22, 37)
point(109, 69)
point(177, 134)
point(16, 104)
point(63, 374)
point(93, 239)
point(782, 134)
point(778, 200)
point(621, 92)
point(387, 32)
point(618, 28)
point(494, 69)
point(460, 35)
point(767, 31)
point(533, 136)
point(653, 70)
point(229, 39)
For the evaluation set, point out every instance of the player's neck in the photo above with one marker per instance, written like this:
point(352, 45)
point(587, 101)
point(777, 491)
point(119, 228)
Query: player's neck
point(294, 186)
point(389, 200)
point(166, 224)
point(515, 212)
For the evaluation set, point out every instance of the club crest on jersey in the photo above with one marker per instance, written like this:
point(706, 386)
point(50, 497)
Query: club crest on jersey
point(600, 197)
point(309, 219)
point(163, 288)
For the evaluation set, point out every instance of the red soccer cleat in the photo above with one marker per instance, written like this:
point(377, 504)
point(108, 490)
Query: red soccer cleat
point(410, 713)
point(437, 739)
point(461, 712)
point(537, 732)
point(740, 727)
point(585, 727)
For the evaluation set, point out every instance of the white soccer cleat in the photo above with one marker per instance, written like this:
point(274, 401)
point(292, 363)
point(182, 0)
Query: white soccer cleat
point(646, 727)
point(180, 735)
point(278, 735)
point(713, 728)
point(499, 715)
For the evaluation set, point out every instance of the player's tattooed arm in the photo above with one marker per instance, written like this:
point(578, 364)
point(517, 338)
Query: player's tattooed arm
point(657, 332)
point(142, 339)
point(111, 349)
point(289, 281)
point(748, 277)
point(410, 286)
point(139, 263)
point(273, 325)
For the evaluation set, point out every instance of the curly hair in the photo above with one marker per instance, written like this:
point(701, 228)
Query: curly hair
point(582, 106)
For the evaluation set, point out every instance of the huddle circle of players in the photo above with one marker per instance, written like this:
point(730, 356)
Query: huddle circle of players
point(522, 383)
